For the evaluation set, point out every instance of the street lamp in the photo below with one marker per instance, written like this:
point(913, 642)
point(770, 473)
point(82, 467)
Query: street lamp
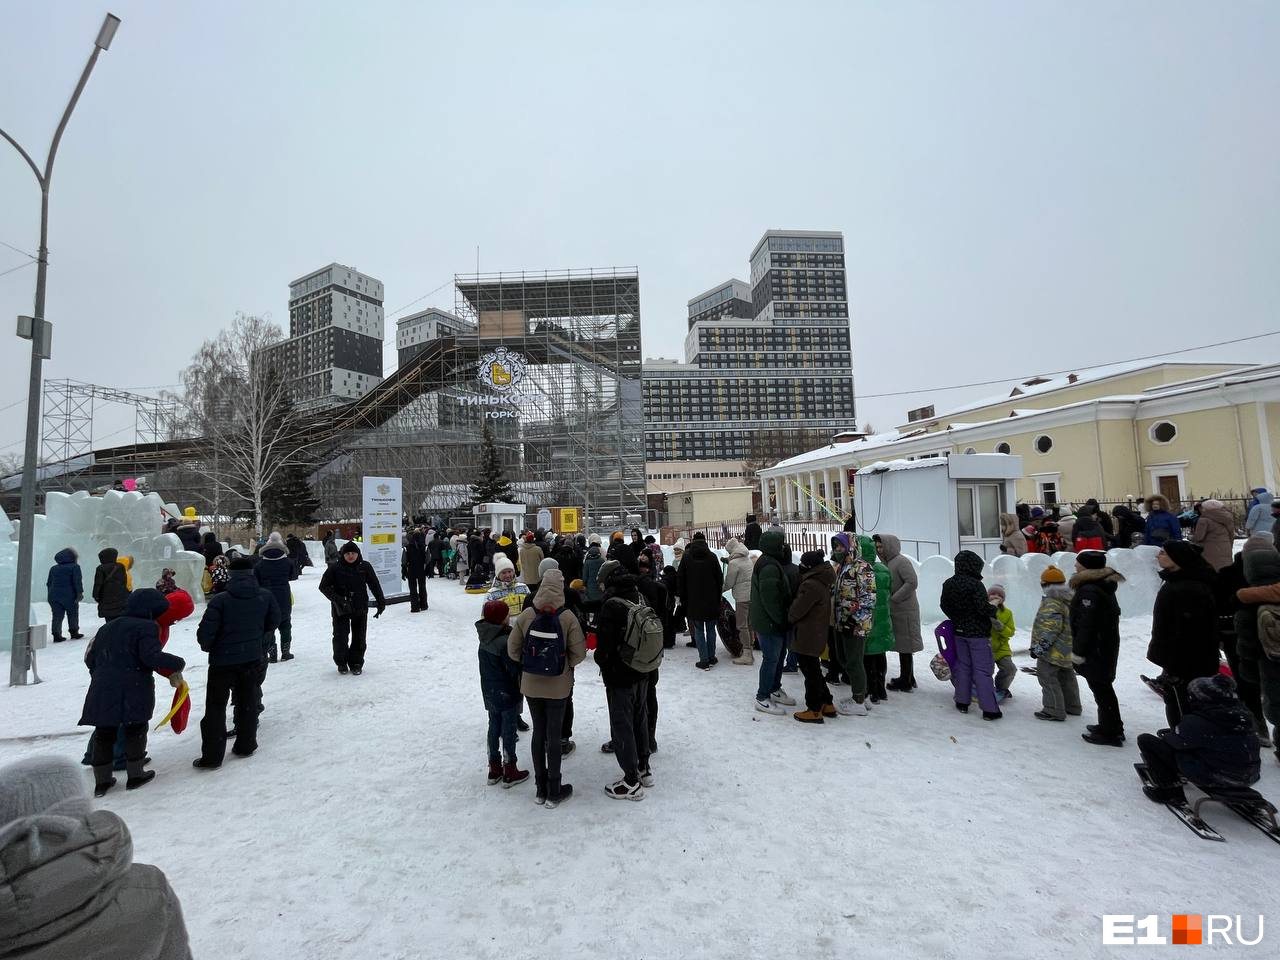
point(40, 333)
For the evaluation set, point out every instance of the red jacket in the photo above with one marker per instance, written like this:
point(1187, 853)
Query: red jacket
point(180, 607)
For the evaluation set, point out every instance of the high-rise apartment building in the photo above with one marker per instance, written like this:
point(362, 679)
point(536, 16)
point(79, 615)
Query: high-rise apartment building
point(767, 364)
point(334, 349)
point(415, 332)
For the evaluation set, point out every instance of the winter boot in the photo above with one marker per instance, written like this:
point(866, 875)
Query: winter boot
point(829, 710)
point(1103, 739)
point(58, 639)
point(284, 650)
point(808, 716)
point(273, 655)
point(745, 659)
point(103, 780)
point(991, 714)
point(138, 776)
point(511, 775)
point(1164, 794)
point(559, 795)
point(76, 635)
point(495, 771)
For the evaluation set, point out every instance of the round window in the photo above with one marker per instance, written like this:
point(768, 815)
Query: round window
point(1163, 431)
point(1044, 443)
point(1002, 447)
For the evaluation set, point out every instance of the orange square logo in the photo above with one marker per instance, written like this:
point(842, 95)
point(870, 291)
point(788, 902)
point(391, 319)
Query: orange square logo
point(1187, 929)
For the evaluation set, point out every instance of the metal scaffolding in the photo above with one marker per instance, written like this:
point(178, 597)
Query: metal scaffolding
point(550, 361)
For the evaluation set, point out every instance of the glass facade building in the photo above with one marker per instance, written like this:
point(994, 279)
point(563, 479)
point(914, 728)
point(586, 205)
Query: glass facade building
point(769, 357)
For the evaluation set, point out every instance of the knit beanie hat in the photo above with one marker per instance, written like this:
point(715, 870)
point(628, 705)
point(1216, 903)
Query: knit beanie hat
point(502, 563)
point(1184, 553)
point(680, 544)
point(1259, 541)
point(1216, 689)
point(240, 563)
point(607, 570)
point(997, 589)
point(351, 547)
point(594, 539)
point(1037, 512)
point(842, 539)
point(1052, 575)
point(496, 612)
point(577, 585)
point(42, 784)
point(1092, 559)
point(167, 584)
point(811, 558)
point(547, 564)
point(274, 540)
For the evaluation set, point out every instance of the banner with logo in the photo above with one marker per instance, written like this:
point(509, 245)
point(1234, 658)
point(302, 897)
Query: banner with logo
point(382, 529)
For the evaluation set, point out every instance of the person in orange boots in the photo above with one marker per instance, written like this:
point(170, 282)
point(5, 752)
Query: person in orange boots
point(810, 616)
point(500, 685)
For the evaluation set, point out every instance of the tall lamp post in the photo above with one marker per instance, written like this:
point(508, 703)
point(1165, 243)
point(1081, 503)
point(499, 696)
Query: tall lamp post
point(39, 331)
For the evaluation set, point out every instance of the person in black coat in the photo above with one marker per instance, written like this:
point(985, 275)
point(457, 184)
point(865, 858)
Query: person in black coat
point(751, 535)
point(1230, 579)
point(700, 582)
point(347, 583)
point(1130, 527)
point(415, 570)
point(274, 572)
point(233, 632)
point(121, 659)
point(189, 534)
point(1095, 640)
point(110, 585)
point(1184, 623)
point(1213, 745)
point(65, 586)
point(210, 548)
point(964, 602)
point(435, 557)
point(297, 553)
point(626, 690)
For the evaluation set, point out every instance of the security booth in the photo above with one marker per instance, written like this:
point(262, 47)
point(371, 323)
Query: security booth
point(940, 505)
point(501, 518)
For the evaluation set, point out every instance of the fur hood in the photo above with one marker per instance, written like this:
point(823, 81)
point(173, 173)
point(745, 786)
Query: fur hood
point(1105, 575)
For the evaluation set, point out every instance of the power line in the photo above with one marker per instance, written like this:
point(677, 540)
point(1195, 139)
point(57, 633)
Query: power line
point(18, 267)
point(1075, 369)
point(401, 310)
point(17, 250)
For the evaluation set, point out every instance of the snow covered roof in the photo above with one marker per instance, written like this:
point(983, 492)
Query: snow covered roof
point(833, 449)
point(1035, 386)
point(893, 466)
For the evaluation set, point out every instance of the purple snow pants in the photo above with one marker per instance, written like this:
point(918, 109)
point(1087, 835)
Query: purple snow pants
point(973, 668)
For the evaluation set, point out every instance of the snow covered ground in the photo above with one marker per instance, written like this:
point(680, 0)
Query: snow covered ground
point(363, 827)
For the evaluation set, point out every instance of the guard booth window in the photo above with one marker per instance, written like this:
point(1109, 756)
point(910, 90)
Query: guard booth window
point(978, 506)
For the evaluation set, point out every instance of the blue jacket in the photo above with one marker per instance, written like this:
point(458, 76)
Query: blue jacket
point(121, 659)
point(65, 583)
point(1161, 526)
point(1260, 519)
point(235, 625)
point(499, 674)
point(274, 571)
point(591, 571)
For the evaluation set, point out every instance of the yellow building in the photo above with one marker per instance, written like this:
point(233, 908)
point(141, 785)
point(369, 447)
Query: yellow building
point(1186, 430)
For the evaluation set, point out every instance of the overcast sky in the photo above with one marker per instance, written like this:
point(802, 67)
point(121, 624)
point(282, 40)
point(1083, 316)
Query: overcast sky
point(1022, 186)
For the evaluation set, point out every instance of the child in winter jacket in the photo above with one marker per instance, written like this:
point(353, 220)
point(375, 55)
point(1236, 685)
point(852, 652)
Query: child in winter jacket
point(121, 659)
point(1002, 630)
point(65, 591)
point(1051, 649)
point(854, 600)
point(505, 586)
point(500, 686)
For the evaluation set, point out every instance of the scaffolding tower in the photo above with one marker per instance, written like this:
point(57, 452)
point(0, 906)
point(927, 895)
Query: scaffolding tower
point(549, 361)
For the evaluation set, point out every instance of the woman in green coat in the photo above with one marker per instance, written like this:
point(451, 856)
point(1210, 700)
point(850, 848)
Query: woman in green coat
point(880, 640)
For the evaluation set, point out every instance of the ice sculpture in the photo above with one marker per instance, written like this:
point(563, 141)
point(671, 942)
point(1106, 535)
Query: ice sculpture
point(129, 521)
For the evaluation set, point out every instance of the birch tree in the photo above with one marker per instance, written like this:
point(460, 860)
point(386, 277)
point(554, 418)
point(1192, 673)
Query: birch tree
point(238, 404)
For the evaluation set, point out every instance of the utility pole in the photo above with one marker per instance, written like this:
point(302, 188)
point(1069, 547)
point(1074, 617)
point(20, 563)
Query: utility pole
point(40, 332)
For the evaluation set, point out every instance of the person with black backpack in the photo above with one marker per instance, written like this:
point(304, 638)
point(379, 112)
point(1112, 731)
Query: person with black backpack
point(628, 650)
point(547, 641)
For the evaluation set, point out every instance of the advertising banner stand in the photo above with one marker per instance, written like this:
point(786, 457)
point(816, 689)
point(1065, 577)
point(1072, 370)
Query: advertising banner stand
point(383, 518)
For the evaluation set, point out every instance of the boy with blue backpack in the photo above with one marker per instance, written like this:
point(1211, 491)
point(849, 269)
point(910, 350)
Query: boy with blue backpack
point(547, 641)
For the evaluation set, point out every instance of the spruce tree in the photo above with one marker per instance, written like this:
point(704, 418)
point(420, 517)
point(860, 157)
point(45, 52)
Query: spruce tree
point(289, 500)
point(492, 485)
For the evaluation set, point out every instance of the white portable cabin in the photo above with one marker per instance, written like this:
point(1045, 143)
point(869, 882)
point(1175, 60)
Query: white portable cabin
point(939, 505)
point(501, 518)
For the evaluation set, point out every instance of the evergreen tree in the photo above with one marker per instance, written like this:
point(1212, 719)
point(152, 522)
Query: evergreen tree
point(492, 485)
point(289, 500)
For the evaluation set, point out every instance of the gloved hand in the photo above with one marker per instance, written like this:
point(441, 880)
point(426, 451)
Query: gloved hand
point(175, 679)
point(381, 607)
